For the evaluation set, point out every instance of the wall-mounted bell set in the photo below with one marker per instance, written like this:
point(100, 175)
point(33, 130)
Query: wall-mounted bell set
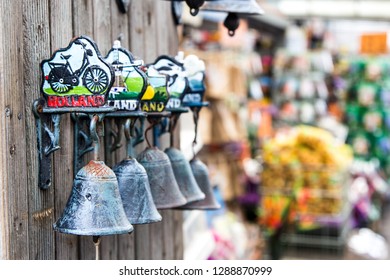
point(117, 90)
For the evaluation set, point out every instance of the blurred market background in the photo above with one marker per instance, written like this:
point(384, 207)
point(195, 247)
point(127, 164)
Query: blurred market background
point(297, 132)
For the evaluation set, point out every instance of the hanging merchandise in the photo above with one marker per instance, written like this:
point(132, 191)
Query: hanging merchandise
point(301, 93)
point(366, 111)
point(76, 79)
point(177, 81)
point(367, 93)
point(234, 8)
point(201, 174)
point(130, 81)
point(194, 99)
point(165, 190)
point(76, 76)
point(194, 5)
point(184, 175)
point(195, 71)
point(134, 187)
point(178, 85)
point(156, 96)
point(129, 88)
point(95, 206)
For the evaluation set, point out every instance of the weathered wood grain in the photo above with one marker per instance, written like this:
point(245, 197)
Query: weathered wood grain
point(61, 31)
point(168, 44)
point(4, 221)
point(83, 24)
point(40, 202)
point(82, 18)
point(14, 137)
point(120, 30)
point(137, 33)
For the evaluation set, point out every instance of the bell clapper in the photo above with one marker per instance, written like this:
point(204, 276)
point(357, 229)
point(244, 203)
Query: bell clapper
point(96, 241)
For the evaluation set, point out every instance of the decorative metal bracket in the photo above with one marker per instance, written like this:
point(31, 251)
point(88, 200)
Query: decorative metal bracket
point(48, 142)
point(48, 135)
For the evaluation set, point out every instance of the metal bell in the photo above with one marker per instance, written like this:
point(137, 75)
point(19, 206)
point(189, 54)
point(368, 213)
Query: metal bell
point(135, 192)
point(94, 207)
point(233, 6)
point(184, 176)
point(201, 174)
point(165, 190)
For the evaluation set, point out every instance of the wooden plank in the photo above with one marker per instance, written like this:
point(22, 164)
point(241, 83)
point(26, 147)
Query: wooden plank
point(82, 18)
point(120, 27)
point(136, 35)
point(83, 22)
point(168, 235)
point(136, 29)
point(168, 44)
point(149, 55)
point(102, 25)
point(36, 41)
point(126, 247)
point(103, 37)
point(4, 222)
point(14, 136)
point(172, 48)
point(61, 32)
point(178, 235)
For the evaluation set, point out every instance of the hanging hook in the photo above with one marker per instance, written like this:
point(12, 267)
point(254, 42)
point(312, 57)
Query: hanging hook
point(195, 114)
point(172, 125)
point(129, 133)
point(94, 136)
point(153, 122)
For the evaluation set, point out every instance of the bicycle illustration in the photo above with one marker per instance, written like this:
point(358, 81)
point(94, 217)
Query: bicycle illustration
point(78, 65)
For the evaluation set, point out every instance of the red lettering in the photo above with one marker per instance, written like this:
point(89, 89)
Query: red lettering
point(83, 101)
point(75, 102)
point(61, 101)
point(67, 101)
point(100, 100)
point(91, 101)
point(52, 101)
